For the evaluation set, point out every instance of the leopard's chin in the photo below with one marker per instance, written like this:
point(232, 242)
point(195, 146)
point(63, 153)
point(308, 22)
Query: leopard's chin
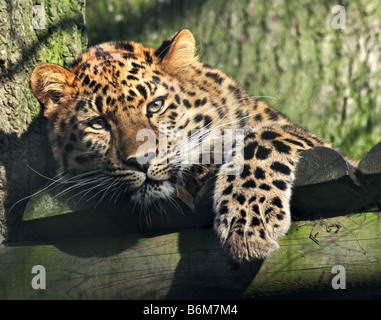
point(151, 191)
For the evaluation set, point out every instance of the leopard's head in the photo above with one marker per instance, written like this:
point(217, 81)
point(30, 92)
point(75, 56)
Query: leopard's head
point(120, 113)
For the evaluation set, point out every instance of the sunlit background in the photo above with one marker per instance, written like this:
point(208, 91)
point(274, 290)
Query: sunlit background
point(286, 52)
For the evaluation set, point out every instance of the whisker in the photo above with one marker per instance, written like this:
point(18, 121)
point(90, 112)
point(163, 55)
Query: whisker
point(119, 185)
point(119, 193)
point(175, 204)
point(88, 190)
point(107, 190)
point(54, 181)
point(102, 183)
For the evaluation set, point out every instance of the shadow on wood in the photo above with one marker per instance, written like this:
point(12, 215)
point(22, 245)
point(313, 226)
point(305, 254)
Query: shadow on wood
point(190, 264)
point(325, 185)
point(328, 185)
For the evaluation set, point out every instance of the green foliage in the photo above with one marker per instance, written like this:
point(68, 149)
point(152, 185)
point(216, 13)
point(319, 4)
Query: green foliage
point(286, 52)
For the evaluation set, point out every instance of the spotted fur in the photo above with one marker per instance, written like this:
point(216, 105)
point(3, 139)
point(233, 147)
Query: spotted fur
point(99, 106)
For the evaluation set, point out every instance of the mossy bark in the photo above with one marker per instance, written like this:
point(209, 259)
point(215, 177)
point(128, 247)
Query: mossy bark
point(29, 36)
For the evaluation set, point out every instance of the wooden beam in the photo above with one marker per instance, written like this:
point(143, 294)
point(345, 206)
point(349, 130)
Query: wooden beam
point(190, 264)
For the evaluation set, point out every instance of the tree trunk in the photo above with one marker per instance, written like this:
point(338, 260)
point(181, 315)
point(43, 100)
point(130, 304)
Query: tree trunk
point(30, 34)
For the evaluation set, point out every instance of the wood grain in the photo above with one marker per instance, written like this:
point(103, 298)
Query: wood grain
point(190, 264)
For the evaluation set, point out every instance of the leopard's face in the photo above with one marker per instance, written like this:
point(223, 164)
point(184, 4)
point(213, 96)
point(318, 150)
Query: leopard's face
point(122, 116)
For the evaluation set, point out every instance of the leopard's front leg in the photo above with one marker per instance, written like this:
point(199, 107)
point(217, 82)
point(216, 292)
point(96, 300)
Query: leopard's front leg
point(252, 208)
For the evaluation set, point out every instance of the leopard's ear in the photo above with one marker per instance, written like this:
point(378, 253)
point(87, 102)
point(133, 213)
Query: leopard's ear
point(177, 52)
point(49, 83)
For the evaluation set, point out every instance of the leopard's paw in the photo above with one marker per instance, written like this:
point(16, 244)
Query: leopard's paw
point(248, 245)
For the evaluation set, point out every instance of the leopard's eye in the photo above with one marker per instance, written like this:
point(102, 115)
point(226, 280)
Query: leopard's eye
point(155, 106)
point(97, 123)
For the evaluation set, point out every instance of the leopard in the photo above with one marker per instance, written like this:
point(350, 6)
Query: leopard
point(105, 105)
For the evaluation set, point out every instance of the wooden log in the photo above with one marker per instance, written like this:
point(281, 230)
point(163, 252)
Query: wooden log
point(369, 173)
point(370, 164)
point(326, 185)
point(190, 264)
point(54, 216)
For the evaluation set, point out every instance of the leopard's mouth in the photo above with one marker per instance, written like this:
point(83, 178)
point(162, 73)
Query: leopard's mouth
point(151, 191)
point(147, 186)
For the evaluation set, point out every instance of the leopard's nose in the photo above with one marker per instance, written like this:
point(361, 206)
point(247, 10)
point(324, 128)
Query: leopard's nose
point(140, 163)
